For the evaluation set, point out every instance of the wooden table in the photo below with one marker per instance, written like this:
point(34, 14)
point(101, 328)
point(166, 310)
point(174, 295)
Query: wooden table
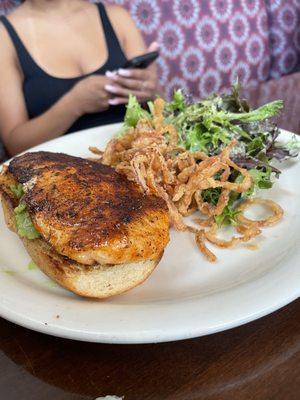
point(259, 361)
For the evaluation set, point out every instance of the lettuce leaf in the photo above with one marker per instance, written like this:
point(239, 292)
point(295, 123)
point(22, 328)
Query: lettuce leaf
point(178, 102)
point(134, 112)
point(24, 224)
point(17, 190)
point(266, 111)
point(228, 216)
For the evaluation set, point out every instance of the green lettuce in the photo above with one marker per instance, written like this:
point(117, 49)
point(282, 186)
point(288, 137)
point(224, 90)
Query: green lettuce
point(264, 112)
point(134, 112)
point(24, 224)
point(17, 190)
point(211, 124)
point(177, 103)
point(228, 216)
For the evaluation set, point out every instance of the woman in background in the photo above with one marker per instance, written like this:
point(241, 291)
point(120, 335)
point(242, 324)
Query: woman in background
point(50, 79)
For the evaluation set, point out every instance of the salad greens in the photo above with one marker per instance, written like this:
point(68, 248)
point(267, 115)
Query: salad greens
point(211, 124)
point(134, 112)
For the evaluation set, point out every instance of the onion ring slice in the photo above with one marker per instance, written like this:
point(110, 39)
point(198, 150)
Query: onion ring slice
point(247, 235)
point(269, 221)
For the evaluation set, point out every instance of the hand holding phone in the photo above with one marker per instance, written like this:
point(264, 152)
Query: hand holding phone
point(134, 78)
point(142, 61)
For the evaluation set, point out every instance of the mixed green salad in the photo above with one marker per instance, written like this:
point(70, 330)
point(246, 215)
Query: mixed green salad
point(211, 124)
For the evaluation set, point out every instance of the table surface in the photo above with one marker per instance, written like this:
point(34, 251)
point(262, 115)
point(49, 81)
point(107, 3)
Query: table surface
point(259, 361)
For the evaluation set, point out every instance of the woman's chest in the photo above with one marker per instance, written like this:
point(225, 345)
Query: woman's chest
point(66, 48)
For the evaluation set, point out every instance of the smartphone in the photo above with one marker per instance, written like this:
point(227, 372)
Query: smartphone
point(142, 61)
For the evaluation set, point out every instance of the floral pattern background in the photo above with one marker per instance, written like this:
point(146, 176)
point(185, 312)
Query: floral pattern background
point(206, 44)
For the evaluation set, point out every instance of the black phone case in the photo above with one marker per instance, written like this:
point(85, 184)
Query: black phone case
point(142, 61)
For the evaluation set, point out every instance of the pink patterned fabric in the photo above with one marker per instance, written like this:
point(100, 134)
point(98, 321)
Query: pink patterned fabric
point(284, 21)
point(206, 44)
point(8, 5)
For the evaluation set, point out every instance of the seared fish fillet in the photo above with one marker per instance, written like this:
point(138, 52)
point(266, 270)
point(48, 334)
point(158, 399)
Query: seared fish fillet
point(87, 211)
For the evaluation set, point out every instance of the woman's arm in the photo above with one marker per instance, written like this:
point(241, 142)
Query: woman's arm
point(128, 34)
point(17, 132)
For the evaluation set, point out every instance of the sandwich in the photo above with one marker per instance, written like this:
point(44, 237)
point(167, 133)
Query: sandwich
point(84, 225)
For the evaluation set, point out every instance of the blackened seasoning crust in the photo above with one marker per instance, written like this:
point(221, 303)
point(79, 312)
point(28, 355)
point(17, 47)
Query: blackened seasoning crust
point(89, 212)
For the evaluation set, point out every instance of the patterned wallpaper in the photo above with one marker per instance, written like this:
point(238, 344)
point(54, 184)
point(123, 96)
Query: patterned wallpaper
point(206, 44)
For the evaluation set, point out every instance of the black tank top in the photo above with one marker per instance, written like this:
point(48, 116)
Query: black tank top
point(42, 90)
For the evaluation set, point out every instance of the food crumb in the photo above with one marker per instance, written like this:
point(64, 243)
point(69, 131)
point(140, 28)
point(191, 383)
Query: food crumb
point(9, 272)
point(32, 266)
point(252, 247)
point(57, 316)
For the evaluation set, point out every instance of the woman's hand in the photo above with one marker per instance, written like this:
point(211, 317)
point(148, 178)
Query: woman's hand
point(141, 83)
point(89, 95)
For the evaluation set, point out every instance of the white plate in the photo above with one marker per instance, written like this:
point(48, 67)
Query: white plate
point(185, 296)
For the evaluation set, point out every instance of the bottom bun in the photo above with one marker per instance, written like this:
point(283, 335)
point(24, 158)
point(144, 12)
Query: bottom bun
point(98, 281)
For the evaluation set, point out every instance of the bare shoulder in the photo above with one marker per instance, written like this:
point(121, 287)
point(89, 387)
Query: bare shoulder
point(18, 14)
point(117, 14)
point(115, 11)
point(6, 46)
point(9, 60)
point(124, 29)
point(127, 31)
point(15, 18)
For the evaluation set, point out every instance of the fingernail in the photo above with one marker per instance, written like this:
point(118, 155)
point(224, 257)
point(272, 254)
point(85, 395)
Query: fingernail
point(110, 74)
point(113, 76)
point(113, 102)
point(110, 88)
point(124, 72)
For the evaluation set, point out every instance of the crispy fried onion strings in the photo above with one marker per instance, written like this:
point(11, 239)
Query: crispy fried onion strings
point(150, 155)
point(273, 219)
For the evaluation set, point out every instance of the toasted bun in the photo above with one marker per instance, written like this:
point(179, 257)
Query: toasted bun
point(99, 281)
